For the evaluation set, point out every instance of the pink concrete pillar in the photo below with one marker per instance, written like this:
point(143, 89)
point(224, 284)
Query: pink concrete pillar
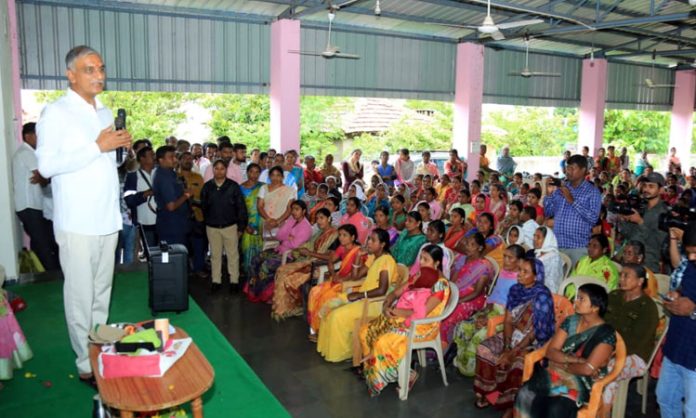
point(16, 81)
point(468, 101)
point(682, 123)
point(593, 97)
point(285, 85)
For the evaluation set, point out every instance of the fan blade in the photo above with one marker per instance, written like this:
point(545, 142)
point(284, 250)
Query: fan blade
point(348, 56)
point(452, 25)
point(527, 22)
point(536, 74)
point(497, 36)
point(312, 53)
point(514, 74)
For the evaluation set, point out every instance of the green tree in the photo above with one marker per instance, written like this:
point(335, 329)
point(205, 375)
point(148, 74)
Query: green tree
point(637, 130)
point(152, 115)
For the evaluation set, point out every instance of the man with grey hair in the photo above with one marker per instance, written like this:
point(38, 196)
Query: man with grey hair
point(76, 144)
point(506, 165)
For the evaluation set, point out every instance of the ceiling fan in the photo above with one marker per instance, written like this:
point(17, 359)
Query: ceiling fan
point(331, 51)
point(648, 81)
point(489, 29)
point(526, 72)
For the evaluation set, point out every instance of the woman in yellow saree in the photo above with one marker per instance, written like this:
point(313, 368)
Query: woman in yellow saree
point(317, 303)
point(379, 270)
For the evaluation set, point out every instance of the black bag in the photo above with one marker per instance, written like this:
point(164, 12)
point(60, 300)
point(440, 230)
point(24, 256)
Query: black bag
point(168, 278)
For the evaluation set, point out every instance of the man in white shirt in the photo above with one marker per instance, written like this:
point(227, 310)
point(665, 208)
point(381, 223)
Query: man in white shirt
point(29, 199)
point(76, 144)
point(139, 196)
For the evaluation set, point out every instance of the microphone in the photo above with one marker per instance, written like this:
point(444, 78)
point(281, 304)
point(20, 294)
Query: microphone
point(120, 124)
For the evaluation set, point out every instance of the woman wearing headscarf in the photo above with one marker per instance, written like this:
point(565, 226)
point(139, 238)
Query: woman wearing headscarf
point(352, 169)
point(355, 190)
point(529, 323)
point(546, 250)
point(514, 236)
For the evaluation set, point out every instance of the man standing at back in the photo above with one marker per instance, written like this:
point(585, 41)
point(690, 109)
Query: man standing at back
point(574, 207)
point(76, 143)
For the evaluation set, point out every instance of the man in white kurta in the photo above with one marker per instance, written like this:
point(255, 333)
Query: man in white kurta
point(76, 144)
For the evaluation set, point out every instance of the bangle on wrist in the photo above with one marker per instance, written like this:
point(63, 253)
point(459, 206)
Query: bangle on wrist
point(365, 295)
point(588, 364)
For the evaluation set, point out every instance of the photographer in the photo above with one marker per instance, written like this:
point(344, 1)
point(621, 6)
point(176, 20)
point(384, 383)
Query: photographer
point(676, 388)
point(645, 228)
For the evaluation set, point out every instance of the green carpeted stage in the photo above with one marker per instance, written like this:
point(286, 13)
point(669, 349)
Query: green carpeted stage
point(55, 391)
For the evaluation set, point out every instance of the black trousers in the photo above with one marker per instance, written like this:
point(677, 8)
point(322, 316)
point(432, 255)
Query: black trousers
point(43, 242)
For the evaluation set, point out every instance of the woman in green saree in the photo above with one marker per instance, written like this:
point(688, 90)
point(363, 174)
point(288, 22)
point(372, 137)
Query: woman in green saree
point(252, 240)
point(577, 355)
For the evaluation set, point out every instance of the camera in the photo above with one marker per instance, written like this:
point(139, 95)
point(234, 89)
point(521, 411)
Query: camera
point(677, 217)
point(555, 182)
point(626, 206)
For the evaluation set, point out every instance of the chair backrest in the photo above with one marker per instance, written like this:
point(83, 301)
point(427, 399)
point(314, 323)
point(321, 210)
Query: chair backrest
point(496, 269)
point(451, 302)
point(403, 272)
point(618, 266)
point(578, 281)
point(562, 308)
point(663, 283)
point(567, 264)
point(619, 359)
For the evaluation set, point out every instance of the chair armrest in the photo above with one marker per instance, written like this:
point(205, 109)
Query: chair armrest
point(531, 359)
point(493, 324)
point(284, 258)
point(351, 283)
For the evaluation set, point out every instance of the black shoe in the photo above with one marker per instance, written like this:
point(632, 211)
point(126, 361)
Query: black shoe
point(234, 287)
point(215, 287)
point(450, 354)
point(89, 381)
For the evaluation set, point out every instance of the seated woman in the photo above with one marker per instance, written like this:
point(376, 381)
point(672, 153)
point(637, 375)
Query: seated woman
point(529, 323)
point(295, 231)
point(577, 354)
point(379, 198)
point(546, 250)
point(423, 209)
point(481, 204)
point(398, 214)
point(457, 228)
point(629, 305)
point(435, 235)
point(289, 278)
point(634, 253)
point(379, 270)
point(356, 191)
point(381, 217)
point(410, 240)
point(512, 218)
point(596, 264)
point(469, 334)
point(322, 200)
point(472, 278)
point(514, 233)
point(494, 243)
point(318, 305)
point(383, 340)
point(354, 216)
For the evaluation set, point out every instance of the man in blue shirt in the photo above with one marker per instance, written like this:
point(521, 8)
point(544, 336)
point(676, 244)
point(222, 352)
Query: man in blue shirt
point(676, 388)
point(173, 209)
point(574, 207)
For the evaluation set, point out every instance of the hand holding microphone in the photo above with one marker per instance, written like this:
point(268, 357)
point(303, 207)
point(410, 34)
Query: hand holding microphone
point(110, 139)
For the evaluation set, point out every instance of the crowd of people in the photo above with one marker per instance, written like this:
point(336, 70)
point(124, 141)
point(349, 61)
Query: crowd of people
point(340, 251)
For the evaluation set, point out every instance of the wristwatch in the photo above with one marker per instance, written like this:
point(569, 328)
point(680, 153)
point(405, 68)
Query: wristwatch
point(693, 315)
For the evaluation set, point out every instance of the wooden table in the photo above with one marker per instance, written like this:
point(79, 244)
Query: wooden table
point(187, 380)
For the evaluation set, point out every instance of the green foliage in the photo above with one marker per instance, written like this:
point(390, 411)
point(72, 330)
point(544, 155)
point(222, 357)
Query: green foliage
point(153, 115)
point(529, 131)
point(637, 130)
point(244, 118)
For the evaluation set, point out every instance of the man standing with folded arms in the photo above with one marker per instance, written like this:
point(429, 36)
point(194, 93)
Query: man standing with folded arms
point(76, 144)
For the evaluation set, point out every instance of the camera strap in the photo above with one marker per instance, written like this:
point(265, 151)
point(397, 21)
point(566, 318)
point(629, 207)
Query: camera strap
point(150, 186)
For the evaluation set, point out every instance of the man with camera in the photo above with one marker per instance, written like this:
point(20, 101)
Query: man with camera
point(645, 227)
point(676, 388)
point(76, 144)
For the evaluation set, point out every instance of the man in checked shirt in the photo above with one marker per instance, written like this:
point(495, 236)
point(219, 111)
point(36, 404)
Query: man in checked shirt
point(574, 206)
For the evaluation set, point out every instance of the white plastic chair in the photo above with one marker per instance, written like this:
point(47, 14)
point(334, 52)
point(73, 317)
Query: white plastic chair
point(567, 264)
point(496, 267)
point(619, 406)
point(284, 258)
point(578, 281)
point(421, 346)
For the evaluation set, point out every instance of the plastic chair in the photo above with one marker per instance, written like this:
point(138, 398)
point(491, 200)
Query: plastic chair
point(592, 408)
point(619, 406)
point(578, 281)
point(663, 283)
point(567, 264)
point(421, 346)
point(496, 268)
